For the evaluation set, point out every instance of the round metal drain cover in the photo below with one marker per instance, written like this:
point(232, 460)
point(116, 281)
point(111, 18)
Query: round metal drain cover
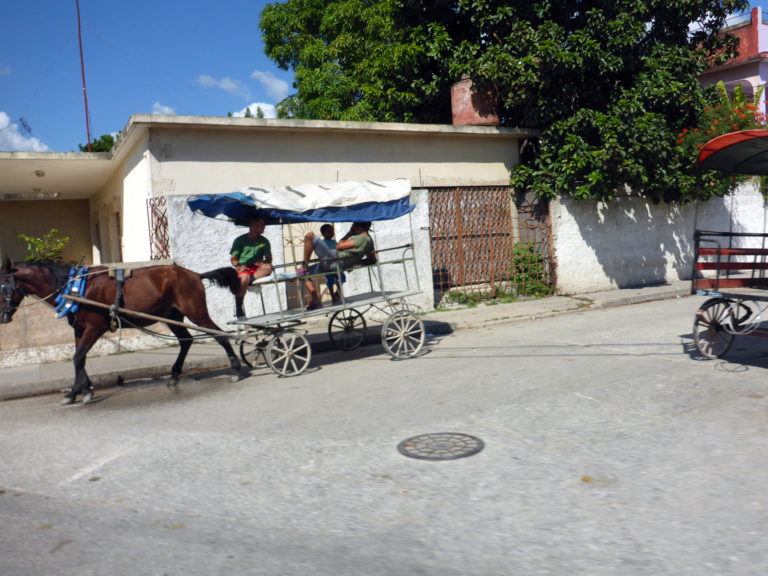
point(440, 446)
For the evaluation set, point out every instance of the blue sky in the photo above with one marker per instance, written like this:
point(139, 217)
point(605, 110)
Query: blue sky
point(194, 57)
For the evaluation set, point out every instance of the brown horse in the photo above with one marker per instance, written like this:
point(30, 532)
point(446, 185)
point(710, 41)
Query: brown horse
point(168, 292)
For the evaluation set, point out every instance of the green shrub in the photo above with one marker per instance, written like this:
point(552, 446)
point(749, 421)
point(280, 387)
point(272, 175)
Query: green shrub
point(528, 271)
point(47, 248)
point(469, 299)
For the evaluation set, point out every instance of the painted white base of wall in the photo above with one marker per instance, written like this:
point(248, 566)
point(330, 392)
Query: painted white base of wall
point(630, 243)
point(112, 343)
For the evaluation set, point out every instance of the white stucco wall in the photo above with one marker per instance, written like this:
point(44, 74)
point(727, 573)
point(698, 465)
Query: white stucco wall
point(119, 227)
point(630, 242)
point(136, 190)
point(202, 244)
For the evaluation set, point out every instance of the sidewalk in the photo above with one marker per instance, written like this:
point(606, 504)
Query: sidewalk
point(106, 370)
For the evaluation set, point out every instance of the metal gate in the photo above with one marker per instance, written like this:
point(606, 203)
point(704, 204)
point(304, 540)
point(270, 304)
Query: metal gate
point(487, 243)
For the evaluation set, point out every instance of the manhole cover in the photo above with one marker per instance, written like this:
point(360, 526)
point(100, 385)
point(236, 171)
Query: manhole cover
point(440, 446)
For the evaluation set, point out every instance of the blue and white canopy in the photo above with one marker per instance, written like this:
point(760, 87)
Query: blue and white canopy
point(338, 202)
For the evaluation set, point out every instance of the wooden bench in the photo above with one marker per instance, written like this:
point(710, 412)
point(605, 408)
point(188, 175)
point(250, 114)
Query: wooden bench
point(728, 266)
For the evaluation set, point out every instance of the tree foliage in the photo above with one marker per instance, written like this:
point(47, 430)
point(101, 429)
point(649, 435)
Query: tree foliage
point(362, 60)
point(609, 83)
point(104, 143)
point(46, 248)
point(730, 112)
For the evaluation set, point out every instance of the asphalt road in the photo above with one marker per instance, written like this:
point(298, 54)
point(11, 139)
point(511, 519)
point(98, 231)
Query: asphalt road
point(610, 449)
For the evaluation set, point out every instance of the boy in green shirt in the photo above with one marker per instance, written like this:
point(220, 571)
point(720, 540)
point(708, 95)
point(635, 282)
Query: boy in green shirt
point(251, 256)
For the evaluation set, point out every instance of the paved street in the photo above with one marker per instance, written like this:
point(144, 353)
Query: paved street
point(610, 449)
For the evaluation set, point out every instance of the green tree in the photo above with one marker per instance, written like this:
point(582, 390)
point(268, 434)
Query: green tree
point(609, 84)
point(730, 112)
point(104, 143)
point(47, 248)
point(362, 60)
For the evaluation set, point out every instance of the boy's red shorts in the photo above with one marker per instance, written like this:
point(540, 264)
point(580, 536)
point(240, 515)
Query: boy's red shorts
point(249, 270)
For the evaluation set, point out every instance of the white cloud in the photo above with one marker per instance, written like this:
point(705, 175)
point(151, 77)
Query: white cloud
point(227, 84)
point(276, 88)
point(268, 109)
point(11, 140)
point(158, 108)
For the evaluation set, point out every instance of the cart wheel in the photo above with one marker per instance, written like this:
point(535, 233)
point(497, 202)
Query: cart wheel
point(252, 352)
point(347, 329)
point(709, 332)
point(746, 318)
point(402, 334)
point(288, 353)
point(397, 305)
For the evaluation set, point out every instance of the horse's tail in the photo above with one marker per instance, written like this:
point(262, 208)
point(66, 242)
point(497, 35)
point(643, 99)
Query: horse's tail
point(223, 277)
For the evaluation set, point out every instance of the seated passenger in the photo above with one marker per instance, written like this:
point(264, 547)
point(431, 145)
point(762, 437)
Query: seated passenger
point(356, 247)
point(251, 256)
point(332, 281)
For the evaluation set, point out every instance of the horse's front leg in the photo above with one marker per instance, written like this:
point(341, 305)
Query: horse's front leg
point(83, 384)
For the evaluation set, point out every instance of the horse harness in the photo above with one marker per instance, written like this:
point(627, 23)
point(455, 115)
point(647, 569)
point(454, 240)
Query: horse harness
point(7, 288)
point(72, 285)
point(75, 286)
point(113, 320)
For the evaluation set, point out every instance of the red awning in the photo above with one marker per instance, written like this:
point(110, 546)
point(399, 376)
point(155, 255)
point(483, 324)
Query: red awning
point(743, 152)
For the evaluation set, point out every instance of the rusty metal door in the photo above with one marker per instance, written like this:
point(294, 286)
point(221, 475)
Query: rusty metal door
point(473, 232)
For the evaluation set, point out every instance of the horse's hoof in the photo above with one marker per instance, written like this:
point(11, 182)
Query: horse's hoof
point(88, 397)
point(172, 384)
point(67, 401)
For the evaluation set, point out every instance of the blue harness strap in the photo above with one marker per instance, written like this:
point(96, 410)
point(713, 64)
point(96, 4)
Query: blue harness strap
point(75, 286)
point(60, 301)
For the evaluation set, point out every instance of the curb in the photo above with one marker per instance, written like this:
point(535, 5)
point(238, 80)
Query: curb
point(639, 298)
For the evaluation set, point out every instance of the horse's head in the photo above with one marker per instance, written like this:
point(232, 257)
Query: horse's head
point(10, 293)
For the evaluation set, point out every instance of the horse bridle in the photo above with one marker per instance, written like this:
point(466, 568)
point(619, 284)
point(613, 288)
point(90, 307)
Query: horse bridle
point(7, 288)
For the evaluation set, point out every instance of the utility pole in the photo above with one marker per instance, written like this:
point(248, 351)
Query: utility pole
point(82, 73)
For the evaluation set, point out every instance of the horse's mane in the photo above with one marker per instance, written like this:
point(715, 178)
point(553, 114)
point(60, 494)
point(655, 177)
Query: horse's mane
point(59, 272)
point(223, 277)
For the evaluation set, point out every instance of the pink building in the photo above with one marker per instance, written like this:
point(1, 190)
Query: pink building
point(750, 68)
